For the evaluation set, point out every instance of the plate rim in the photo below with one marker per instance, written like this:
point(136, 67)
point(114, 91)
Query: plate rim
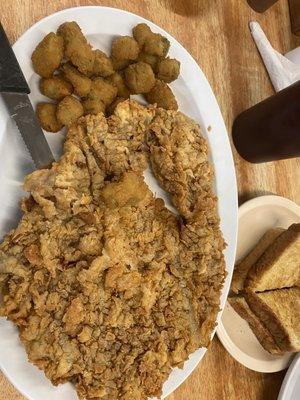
point(225, 137)
point(225, 339)
point(271, 199)
point(285, 389)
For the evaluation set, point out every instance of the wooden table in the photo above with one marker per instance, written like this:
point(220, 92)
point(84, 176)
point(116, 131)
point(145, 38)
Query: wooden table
point(216, 33)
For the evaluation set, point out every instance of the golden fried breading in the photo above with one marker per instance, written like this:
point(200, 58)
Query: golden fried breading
point(81, 56)
point(119, 65)
point(162, 95)
point(81, 83)
point(125, 48)
point(179, 159)
point(109, 289)
point(77, 49)
point(120, 146)
point(102, 64)
point(156, 45)
point(130, 191)
point(56, 88)
point(168, 70)
point(93, 106)
point(46, 113)
point(117, 80)
point(103, 90)
point(69, 110)
point(139, 77)
point(149, 59)
point(141, 32)
point(201, 251)
point(48, 54)
point(70, 30)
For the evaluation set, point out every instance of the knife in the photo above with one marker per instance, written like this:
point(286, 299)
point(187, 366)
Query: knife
point(14, 91)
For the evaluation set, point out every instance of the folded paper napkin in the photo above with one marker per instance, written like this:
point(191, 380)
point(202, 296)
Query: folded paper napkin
point(283, 72)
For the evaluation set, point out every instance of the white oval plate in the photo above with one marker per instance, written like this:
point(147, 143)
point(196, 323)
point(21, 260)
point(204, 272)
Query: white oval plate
point(255, 218)
point(290, 388)
point(196, 99)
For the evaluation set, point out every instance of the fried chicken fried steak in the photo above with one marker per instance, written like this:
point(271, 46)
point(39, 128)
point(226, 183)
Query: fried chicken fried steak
point(108, 288)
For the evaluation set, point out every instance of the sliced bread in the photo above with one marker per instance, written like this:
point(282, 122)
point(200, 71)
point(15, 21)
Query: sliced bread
point(279, 266)
point(242, 268)
point(279, 311)
point(260, 331)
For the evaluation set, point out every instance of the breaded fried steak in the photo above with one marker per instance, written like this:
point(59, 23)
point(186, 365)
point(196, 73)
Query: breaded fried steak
point(108, 288)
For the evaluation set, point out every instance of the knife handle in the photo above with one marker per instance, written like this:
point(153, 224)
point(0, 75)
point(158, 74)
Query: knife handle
point(11, 75)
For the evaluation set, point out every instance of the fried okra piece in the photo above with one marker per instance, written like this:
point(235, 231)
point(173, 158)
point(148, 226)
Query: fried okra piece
point(77, 49)
point(141, 32)
point(167, 70)
point(156, 45)
point(139, 77)
point(70, 30)
point(56, 88)
point(103, 90)
point(81, 83)
point(102, 64)
point(162, 95)
point(82, 57)
point(111, 108)
point(125, 48)
point(117, 80)
point(48, 54)
point(149, 59)
point(46, 113)
point(93, 106)
point(118, 65)
point(69, 110)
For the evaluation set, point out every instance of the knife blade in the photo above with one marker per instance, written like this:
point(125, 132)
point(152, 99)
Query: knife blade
point(21, 111)
point(14, 91)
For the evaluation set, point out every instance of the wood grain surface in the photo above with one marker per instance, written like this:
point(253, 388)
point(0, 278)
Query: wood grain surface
point(216, 33)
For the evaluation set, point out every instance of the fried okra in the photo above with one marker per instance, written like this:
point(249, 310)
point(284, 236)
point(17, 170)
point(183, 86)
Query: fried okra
point(162, 95)
point(93, 106)
point(48, 54)
point(102, 64)
point(156, 45)
point(117, 80)
point(46, 113)
point(139, 78)
point(69, 110)
point(77, 49)
point(125, 48)
point(141, 32)
point(149, 59)
point(70, 30)
point(81, 83)
point(56, 88)
point(168, 69)
point(118, 65)
point(103, 90)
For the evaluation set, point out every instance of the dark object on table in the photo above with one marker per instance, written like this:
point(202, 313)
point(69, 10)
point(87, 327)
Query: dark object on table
point(295, 16)
point(261, 5)
point(11, 76)
point(270, 130)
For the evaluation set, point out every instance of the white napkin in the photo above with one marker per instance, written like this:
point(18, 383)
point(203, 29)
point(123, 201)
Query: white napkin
point(282, 71)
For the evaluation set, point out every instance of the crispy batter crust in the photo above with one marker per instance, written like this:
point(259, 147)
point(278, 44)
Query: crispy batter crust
point(108, 288)
point(179, 159)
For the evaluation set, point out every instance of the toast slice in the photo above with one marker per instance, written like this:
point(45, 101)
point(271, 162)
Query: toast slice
point(279, 310)
point(242, 268)
point(279, 266)
point(262, 334)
